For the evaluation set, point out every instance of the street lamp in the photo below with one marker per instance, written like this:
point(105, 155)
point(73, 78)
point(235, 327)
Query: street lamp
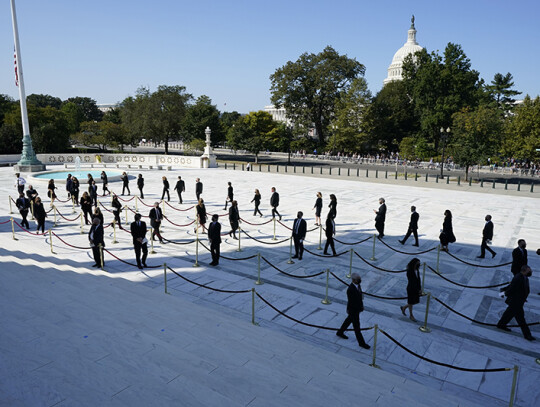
point(444, 137)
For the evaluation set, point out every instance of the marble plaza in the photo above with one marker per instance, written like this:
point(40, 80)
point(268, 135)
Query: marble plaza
point(74, 335)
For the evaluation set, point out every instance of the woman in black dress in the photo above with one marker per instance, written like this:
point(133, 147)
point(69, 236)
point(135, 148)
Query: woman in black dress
point(140, 185)
point(257, 200)
point(86, 206)
point(201, 214)
point(166, 187)
point(125, 183)
point(234, 219)
point(447, 233)
point(50, 191)
point(98, 214)
point(90, 181)
point(39, 214)
point(414, 287)
point(105, 181)
point(117, 207)
point(318, 209)
point(333, 206)
point(75, 190)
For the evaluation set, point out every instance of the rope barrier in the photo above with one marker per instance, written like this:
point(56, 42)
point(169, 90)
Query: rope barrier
point(70, 245)
point(126, 200)
point(282, 224)
point(59, 200)
point(463, 369)
point(311, 230)
point(69, 220)
point(209, 288)
point(27, 231)
point(104, 207)
point(256, 224)
point(7, 221)
point(144, 216)
point(474, 320)
point(127, 262)
point(476, 265)
point(354, 243)
point(467, 286)
point(301, 322)
point(179, 210)
point(141, 201)
point(229, 258)
point(212, 214)
point(377, 267)
point(368, 294)
point(322, 255)
point(263, 242)
point(177, 225)
point(408, 253)
point(179, 243)
point(288, 274)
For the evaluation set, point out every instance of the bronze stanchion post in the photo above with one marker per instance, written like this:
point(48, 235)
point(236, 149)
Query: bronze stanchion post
point(320, 237)
point(374, 240)
point(258, 282)
point(239, 233)
point(350, 265)
point(253, 307)
point(514, 383)
point(82, 223)
point(13, 229)
point(290, 261)
point(423, 278)
point(151, 241)
point(326, 301)
point(10, 210)
point(54, 212)
point(50, 240)
point(114, 231)
point(165, 277)
point(424, 328)
point(373, 361)
point(196, 264)
point(102, 266)
point(274, 238)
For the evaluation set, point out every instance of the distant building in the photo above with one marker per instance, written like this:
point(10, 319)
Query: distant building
point(278, 114)
point(107, 107)
point(395, 69)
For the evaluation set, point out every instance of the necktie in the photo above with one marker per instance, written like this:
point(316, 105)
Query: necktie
point(297, 226)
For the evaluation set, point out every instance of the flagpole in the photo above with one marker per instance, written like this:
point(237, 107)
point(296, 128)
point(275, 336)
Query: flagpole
point(28, 161)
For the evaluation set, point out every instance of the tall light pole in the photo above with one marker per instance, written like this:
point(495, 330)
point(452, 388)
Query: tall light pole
point(444, 137)
point(28, 161)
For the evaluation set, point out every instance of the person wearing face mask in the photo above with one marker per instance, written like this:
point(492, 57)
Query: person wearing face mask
point(516, 294)
point(487, 235)
point(519, 257)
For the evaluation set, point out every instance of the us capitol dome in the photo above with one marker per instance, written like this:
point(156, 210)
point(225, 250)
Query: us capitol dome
point(410, 47)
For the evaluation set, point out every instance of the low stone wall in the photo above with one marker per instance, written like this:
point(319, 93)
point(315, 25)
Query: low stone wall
point(124, 160)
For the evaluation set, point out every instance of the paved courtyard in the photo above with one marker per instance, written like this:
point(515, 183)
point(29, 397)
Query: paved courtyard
point(454, 340)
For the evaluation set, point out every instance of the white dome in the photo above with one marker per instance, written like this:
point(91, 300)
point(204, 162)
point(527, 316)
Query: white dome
point(410, 47)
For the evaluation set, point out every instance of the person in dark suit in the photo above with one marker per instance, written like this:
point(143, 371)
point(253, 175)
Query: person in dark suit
point(201, 215)
point(257, 200)
point(516, 295)
point(105, 181)
point(333, 206)
point(330, 232)
point(93, 193)
point(380, 217)
point(519, 257)
point(234, 219)
point(355, 306)
point(414, 287)
point(166, 187)
point(487, 235)
point(89, 182)
point(75, 190)
point(214, 236)
point(98, 214)
point(447, 233)
point(299, 234)
point(230, 195)
point(39, 214)
point(140, 185)
point(140, 243)
point(95, 236)
point(274, 203)
point(198, 188)
point(117, 207)
point(318, 209)
point(156, 216)
point(69, 184)
point(23, 203)
point(179, 188)
point(125, 183)
point(31, 194)
point(413, 227)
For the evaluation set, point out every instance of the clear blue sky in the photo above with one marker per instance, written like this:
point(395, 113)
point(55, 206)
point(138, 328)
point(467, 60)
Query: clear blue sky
point(228, 49)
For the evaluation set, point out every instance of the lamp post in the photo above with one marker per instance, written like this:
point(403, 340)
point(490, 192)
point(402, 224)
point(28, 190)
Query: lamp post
point(444, 137)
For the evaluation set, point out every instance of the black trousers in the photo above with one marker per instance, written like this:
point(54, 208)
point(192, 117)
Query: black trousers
point(142, 193)
point(485, 247)
point(41, 224)
point(179, 196)
point(329, 242)
point(105, 189)
point(298, 247)
point(198, 195)
point(97, 256)
point(380, 228)
point(155, 231)
point(355, 320)
point(117, 218)
point(94, 199)
point(274, 212)
point(138, 246)
point(415, 234)
point(519, 315)
point(215, 251)
point(124, 187)
point(24, 214)
point(165, 191)
point(257, 210)
point(86, 213)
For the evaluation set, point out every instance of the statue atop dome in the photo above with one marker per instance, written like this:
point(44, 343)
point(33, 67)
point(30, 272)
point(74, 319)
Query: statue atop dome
point(412, 22)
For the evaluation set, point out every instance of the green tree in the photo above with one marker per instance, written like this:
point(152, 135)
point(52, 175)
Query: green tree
point(6, 105)
point(113, 115)
point(200, 115)
point(476, 136)
point(502, 92)
point(522, 131)
point(88, 108)
point(44, 101)
point(103, 134)
point(10, 139)
point(310, 87)
point(74, 116)
point(228, 119)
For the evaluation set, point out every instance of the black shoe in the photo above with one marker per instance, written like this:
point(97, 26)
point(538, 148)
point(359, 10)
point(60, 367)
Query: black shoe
point(493, 255)
point(230, 234)
point(415, 245)
point(480, 257)
point(325, 253)
point(144, 265)
point(95, 265)
point(334, 254)
point(365, 346)
point(212, 264)
point(381, 236)
point(279, 217)
point(342, 335)
point(295, 256)
point(504, 328)
point(530, 338)
point(140, 267)
point(401, 241)
point(299, 258)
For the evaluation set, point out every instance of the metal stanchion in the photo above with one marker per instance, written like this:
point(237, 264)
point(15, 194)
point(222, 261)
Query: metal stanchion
point(290, 261)
point(320, 237)
point(459, 180)
point(373, 364)
point(395, 175)
point(31, 209)
point(54, 212)
point(162, 207)
point(73, 205)
point(152, 241)
point(82, 223)
point(196, 264)
point(405, 175)
point(373, 255)
point(274, 238)
point(438, 256)
point(493, 186)
point(239, 233)
point(514, 383)
point(253, 307)
point(101, 256)
point(350, 265)
point(427, 177)
point(10, 210)
point(326, 301)
point(165, 277)
point(386, 174)
point(13, 229)
point(423, 278)
point(448, 179)
point(114, 231)
point(376, 173)
point(470, 181)
point(258, 282)
point(437, 179)
point(532, 186)
point(126, 208)
point(416, 176)
point(367, 173)
point(136, 204)
point(50, 240)
point(519, 185)
point(424, 328)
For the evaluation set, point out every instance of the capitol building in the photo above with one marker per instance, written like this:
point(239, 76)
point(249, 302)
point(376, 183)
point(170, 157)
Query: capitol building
point(410, 47)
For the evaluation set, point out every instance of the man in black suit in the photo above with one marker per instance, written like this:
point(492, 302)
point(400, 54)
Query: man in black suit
point(214, 236)
point(413, 227)
point(156, 216)
point(298, 235)
point(95, 236)
point(230, 195)
point(487, 235)
point(380, 217)
point(93, 192)
point(198, 188)
point(180, 187)
point(330, 232)
point(274, 203)
point(519, 257)
point(140, 243)
point(355, 306)
point(23, 203)
point(516, 295)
